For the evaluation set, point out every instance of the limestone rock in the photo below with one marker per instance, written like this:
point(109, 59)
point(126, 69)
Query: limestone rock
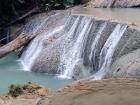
point(7, 100)
point(42, 91)
point(104, 92)
point(127, 66)
point(30, 96)
point(58, 44)
point(34, 85)
point(35, 88)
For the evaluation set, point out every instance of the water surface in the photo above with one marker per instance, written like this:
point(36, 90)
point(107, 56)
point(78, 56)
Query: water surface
point(125, 15)
point(10, 72)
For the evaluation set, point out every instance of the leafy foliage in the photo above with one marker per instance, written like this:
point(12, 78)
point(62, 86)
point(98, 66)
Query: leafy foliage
point(13, 9)
point(48, 4)
point(16, 90)
point(57, 4)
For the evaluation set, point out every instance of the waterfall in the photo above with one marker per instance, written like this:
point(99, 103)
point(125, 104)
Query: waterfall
point(30, 55)
point(38, 26)
point(71, 57)
point(33, 50)
point(95, 43)
point(108, 50)
point(81, 45)
point(64, 59)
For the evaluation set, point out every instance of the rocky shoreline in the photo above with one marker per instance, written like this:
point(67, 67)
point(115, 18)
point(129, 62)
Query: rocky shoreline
point(87, 92)
point(103, 92)
point(29, 96)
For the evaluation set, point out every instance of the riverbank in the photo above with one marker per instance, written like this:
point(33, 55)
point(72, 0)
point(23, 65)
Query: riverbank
point(30, 95)
point(103, 92)
point(12, 72)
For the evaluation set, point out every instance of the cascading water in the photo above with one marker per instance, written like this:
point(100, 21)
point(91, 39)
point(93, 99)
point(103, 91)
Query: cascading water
point(30, 55)
point(36, 26)
point(94, 46)
point(70, 58)
point(69, 47)
point(108, 50)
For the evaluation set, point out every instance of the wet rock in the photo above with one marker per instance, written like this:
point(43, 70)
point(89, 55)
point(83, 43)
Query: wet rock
point(60, 48)
point(46, 59)
point(57, 50)
point(127, 66)
point(128, 43)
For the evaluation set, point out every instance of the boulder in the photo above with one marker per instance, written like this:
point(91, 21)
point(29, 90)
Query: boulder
point(35, 88)
point(127, 66)
point(34, 85)
point(30, 96)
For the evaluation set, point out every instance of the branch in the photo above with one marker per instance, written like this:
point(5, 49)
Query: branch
point(24, 16)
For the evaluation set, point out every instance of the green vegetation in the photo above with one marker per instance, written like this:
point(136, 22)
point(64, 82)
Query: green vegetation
point(47, 4)
point(56, 4)
point(13, 9)
point(16, 90)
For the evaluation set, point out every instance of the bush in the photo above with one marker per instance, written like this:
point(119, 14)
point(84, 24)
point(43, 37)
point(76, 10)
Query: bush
point(58, 4)
point(25, 87)
point(13, 9)
point(16, 90)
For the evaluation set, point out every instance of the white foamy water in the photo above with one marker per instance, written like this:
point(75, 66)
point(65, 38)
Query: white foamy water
point(30, 55)
point(71, 58)
point(75, 36)
point(96, 41)
point(108, 51)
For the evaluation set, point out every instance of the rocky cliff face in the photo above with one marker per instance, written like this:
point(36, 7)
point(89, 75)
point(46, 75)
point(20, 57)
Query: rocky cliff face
point(114, 3)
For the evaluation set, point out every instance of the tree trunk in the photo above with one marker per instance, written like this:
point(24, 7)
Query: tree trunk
point(20, 41)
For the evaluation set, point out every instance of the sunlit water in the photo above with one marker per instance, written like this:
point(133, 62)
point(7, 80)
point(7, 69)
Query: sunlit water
point(10, 73)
